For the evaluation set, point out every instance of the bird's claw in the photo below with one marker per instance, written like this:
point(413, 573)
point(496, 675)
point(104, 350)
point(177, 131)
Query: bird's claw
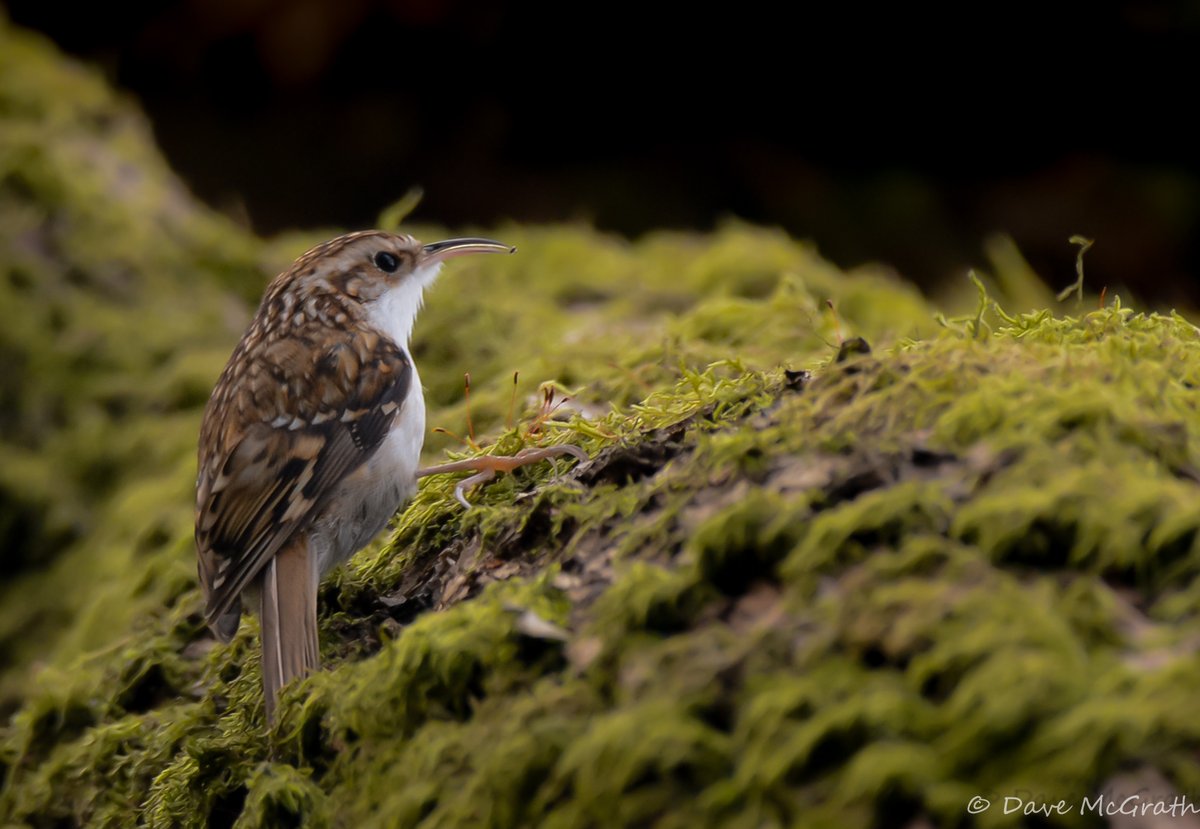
point(481, 477)
point(486, 466)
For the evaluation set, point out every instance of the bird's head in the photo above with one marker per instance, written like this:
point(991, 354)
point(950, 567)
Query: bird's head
point(383, 274)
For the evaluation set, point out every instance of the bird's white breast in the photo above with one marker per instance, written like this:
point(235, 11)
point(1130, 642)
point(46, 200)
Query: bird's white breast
point(400, 452)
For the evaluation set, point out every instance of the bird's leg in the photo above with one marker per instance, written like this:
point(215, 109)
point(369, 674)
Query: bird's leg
point(485, 467)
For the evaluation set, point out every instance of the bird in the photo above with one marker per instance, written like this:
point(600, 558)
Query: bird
point(311, 439)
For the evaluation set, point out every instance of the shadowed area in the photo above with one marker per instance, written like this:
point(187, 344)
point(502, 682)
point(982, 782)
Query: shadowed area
point(889, 135)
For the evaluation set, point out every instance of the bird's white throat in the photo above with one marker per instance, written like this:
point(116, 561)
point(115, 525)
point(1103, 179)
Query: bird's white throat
point(395, 312)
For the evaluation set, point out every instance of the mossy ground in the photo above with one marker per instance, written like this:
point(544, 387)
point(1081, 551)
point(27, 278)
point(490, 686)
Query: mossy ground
point(963, 563)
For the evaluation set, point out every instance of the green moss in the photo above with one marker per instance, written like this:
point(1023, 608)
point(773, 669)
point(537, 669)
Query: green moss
point(115, 290)
point(744, 542)
point(964, 562)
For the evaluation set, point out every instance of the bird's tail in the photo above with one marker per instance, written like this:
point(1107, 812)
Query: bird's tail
point(289, 619)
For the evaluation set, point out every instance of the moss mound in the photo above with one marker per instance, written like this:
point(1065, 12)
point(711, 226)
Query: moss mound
point(796, 583)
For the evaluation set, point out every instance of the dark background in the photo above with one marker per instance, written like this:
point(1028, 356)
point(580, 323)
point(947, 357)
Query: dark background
point(904, 136)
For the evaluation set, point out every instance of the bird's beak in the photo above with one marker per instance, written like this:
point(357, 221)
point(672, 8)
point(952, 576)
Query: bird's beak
point(440, 251)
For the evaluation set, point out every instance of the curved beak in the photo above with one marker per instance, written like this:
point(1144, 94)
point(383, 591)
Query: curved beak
point(441, 251)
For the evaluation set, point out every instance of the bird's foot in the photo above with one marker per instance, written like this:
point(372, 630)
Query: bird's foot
point(485, 467)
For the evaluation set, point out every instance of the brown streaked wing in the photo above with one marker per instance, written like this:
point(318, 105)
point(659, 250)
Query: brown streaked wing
point(261, 483)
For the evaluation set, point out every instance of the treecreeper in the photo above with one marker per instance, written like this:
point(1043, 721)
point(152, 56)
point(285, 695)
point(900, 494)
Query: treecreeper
point(312, 438)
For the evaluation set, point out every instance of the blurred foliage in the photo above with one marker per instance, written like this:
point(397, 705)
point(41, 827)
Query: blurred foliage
point(120, 298)
point(964, 562)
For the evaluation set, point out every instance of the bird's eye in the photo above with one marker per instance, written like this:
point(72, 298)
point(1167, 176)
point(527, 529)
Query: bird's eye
point(386, 262)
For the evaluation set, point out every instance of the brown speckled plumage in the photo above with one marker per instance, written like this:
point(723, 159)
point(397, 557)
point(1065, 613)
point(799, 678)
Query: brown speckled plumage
point(310, 440)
